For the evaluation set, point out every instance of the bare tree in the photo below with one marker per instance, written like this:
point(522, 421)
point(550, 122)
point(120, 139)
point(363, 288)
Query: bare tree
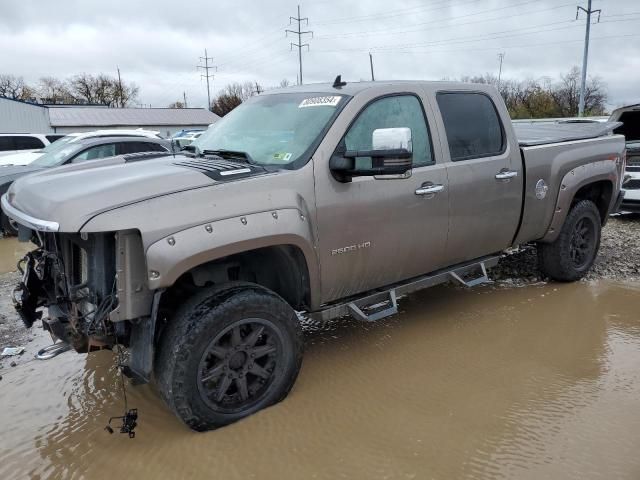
point(177, 104)
point(543, 98)
point(53, 90)
point(233, 95)
point(102, 90)
point(15, 88)
point(566, 94)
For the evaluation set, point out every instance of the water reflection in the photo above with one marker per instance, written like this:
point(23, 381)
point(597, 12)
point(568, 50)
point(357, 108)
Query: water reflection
point(529, 382)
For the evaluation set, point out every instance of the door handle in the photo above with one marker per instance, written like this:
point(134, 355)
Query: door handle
point(429, 189)
point(506, 174)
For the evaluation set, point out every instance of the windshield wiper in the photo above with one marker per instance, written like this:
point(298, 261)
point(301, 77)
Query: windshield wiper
point(231, 154)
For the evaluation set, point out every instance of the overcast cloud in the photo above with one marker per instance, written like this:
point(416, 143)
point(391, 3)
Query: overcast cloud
point(157, 43)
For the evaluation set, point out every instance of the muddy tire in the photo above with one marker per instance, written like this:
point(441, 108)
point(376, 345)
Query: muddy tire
point(572, 254)
point(227, 353)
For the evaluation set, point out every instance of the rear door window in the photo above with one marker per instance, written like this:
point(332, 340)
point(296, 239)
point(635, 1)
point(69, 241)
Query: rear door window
point(472, 125)
point(28, 143)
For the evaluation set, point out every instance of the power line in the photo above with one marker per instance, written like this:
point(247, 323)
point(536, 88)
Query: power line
point(299, 32)
point(393, 13)
point(585, 54)
point(509, 47)
point(206, 75)
point(388, 31)
point(474, 38)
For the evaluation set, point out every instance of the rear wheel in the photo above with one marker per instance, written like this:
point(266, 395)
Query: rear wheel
point(572, 254)
point(228, 353)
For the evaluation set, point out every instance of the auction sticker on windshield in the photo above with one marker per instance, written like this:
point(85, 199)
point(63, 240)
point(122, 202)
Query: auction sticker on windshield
point(328, 101)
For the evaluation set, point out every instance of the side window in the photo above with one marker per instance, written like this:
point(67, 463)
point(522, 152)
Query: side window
point(137, 147)
point(398, 111)
point(6, 143)
point(95, 153)
point(53, 138)
point(472, 125)
point(27, 143)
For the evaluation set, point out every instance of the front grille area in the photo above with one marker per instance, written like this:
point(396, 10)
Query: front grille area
point(78, 279)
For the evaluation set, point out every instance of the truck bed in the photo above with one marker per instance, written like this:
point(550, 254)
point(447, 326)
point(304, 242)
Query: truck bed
point(530, 134)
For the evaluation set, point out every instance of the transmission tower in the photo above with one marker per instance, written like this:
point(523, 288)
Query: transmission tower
point(300, 33)
point(585, 55)
point(206, 67)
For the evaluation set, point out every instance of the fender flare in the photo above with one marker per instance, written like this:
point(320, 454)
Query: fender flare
point(176, 254)
point(574, 180)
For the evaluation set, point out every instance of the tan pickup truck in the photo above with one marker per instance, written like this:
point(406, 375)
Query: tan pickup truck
point(321, 201)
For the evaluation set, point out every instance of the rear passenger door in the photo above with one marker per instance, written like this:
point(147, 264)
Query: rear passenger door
point(485, 176)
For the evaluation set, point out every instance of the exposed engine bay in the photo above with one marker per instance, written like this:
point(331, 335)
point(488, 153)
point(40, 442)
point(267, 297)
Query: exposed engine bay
point(73, 276)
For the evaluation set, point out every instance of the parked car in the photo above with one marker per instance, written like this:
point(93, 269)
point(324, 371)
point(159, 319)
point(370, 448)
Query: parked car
point(630, 128)
point(26, 157)
point(186, 132)
point(25, 142)
point(76, 151)
point(188, 139)
point(320, 200)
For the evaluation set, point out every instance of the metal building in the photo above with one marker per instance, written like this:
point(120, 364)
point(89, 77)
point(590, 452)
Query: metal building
point(23, 117)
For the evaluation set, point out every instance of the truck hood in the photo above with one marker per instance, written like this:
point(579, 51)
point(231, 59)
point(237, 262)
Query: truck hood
point(72, 195)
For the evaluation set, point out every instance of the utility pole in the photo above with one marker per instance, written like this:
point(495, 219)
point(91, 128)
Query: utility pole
point(206, 75)
point(585, 55)
point(184, 97)
point(119, 86)
point(500, 58)
point(300, 33)
point(371, 64)
point(258, 89)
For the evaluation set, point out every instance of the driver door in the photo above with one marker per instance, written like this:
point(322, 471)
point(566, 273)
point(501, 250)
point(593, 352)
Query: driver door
point(377, 230)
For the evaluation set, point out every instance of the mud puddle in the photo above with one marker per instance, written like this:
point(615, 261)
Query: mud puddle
point(534, 382)
point(11, 251)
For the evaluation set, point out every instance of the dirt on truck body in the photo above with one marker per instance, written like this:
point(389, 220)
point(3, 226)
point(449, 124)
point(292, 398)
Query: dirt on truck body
point(328, 200)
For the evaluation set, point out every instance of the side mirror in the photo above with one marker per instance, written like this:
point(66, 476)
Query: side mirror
point(391, 154)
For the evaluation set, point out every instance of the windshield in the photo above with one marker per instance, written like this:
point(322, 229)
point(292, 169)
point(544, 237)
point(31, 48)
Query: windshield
point(272, 129)
point(58, 144)
point(58, 154)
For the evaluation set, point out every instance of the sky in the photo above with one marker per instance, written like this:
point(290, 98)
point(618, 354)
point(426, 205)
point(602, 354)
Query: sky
point(157, 44)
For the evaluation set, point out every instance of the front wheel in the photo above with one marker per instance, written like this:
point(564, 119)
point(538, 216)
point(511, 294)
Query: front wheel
point(572, 254)
point(228, 353)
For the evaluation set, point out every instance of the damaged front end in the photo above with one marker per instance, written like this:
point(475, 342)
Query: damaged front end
point(73, 276)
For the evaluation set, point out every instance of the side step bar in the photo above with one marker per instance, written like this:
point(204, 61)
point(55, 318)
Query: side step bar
point(376, 305)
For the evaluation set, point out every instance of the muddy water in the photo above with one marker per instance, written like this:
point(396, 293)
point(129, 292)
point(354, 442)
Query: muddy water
point(11, 251)
point(534, 382)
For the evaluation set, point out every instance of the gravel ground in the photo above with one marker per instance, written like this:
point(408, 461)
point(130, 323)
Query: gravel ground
point(618, 258)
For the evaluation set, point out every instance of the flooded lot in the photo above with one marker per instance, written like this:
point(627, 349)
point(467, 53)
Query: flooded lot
point(541, 381)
